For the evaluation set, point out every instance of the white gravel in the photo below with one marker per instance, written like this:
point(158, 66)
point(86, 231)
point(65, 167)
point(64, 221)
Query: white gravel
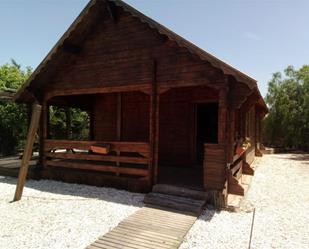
point(58, 215)
point(280, 194)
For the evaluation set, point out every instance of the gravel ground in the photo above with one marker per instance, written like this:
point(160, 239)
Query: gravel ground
point(58, 215)
point(280, 194)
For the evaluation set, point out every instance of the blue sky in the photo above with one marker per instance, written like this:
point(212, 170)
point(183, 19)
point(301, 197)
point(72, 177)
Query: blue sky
point(258, 37)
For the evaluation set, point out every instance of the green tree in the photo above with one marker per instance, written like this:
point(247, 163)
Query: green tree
point(287, 123)
point(13, 118)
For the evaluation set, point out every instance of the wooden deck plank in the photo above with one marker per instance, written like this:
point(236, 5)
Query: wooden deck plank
point(121, 244)
point(137, 241)
point(155, 223)
point(155, 228)
point(142, 232)
point(148, 228)
point(143, 236)
point(167, 221)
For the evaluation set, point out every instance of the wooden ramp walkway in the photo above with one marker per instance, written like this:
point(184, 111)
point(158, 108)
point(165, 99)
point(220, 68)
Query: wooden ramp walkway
point(148, 228)
point(9, 166)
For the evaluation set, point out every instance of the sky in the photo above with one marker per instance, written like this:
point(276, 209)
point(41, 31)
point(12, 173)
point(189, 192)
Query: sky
point(258, 37)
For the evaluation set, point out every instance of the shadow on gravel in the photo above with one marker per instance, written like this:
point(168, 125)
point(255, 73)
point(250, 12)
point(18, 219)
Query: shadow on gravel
point(208, 214)
point(296, 156)
point(77, 190)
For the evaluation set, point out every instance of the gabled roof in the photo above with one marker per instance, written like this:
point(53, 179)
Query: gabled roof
point(203, 55)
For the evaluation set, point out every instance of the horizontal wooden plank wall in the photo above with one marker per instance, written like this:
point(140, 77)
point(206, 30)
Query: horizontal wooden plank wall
point(177, 146)
point(103, 163)
point(105, 117)
point(117, 54)
point(214, 166)
point(134, 116)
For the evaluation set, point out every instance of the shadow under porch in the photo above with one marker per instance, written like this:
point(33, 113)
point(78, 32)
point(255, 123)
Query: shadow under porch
point(117, 122)
point(188, 118)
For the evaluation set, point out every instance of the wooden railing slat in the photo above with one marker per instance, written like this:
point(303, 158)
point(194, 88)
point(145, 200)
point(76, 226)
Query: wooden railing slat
point(121, 159)
point(139, 147)
point(86, 161)
point(106, 168)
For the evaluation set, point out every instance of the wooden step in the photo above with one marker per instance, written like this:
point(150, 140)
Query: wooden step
point(181, 191)
point(175, 202)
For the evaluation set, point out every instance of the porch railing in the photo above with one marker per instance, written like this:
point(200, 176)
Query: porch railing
point(129, 158)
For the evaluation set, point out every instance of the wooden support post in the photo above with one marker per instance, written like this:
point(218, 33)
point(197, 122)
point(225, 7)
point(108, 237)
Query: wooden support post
point(36, 113)
point(119, 121)
point(230, 135)
point(156, 141)
point(29, 113)
point(91, 126)
point(68, 122)
point(119, 115)
point(223, 133)
point(222, 115)
point(153, 127)
point(44, 131)
point(47, 122)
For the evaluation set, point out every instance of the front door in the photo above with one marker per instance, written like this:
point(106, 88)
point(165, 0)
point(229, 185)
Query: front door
point(206, 127)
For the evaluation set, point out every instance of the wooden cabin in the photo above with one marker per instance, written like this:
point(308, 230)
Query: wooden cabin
point(161, 110)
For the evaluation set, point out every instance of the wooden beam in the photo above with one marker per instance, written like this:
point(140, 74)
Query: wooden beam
point(222, 115)
point(96, 90)
point(230, 135)
point(91, 126)
point(119, 116)
point(99, 167)
point(153, 127)
point(43, 131)
point(29, 113)
point(139, 147)
point(119, 121)
point(35, 119)
point(47, 122)
point(156, 140)
point(96, 157)
point(68, 122)
point(163, 89)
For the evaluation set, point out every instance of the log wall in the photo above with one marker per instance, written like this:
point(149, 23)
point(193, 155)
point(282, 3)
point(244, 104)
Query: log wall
point(177, 144)
point(121, 53)
point(134, 117)
point(214, 166)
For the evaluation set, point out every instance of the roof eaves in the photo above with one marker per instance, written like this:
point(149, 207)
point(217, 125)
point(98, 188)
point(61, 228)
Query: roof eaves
point(55, 48)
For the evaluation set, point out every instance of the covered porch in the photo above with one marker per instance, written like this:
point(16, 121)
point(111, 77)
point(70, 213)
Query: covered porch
point(138, 136)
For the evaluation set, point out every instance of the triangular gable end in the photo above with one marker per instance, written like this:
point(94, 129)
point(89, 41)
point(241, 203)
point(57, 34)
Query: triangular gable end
point(82, 24)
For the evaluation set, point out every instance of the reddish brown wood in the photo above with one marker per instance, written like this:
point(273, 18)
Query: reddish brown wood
point(214, 166)
point(230, 135)
point(139, 147)
point(135, 82)
point(100, 148)
point(85, 156)
point(98, 167)
point(43, 131)
point(222, 116)
point(36, 113)
point(153, 126)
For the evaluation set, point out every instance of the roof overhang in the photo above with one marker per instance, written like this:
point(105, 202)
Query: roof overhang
point(24, 93)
